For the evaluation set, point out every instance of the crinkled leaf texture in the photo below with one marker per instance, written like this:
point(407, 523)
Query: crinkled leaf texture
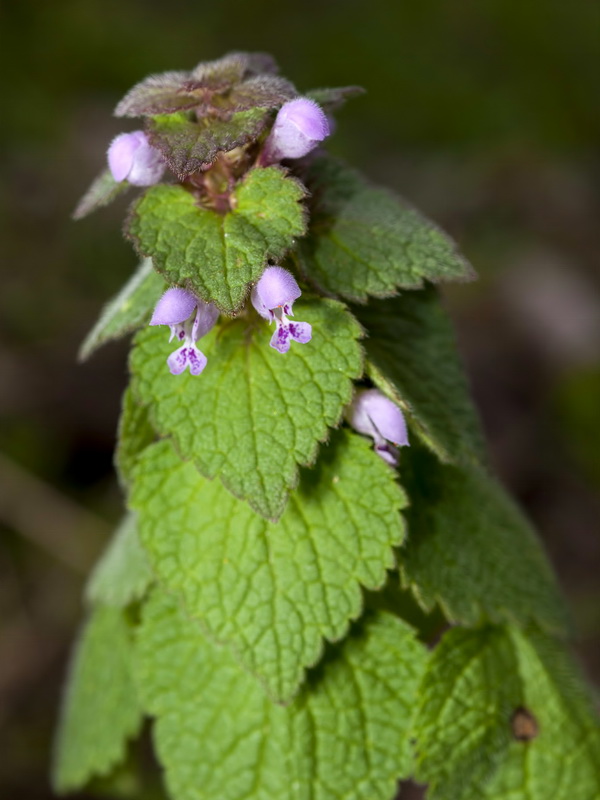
point(104, 190)
point(218, 735)
point(272, 591)
point(477, 683)
point(471, 549)
point(188, 144)
point(254, 414)
point(135, 434)
point(411, 356)
point(101, 710)
point(128, 310)
point(364, 241)
point(122, 575)
point(208, 87)
point(219, 256)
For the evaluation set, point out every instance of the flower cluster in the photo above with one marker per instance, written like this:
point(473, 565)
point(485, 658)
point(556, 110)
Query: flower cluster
point(374, 415)
point(190, 318)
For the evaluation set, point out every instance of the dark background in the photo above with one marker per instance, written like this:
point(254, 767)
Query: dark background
point(484, 114)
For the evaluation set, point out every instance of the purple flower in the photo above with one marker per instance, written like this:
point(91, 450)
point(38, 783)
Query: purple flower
point(189, 319)
point(131, 157)
point(299, 127)
point(374, 415)
point(273, 298)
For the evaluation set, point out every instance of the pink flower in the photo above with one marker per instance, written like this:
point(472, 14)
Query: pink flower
point(299, 127)
point(273, 298)
point(132, 158)
point(373, 414)
point(189, 319)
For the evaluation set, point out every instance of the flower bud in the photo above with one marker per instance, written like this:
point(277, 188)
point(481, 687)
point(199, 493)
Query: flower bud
point(373, 414)
point(132, 158)
point(299, 127)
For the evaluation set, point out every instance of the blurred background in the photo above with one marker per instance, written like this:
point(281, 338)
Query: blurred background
point(483, 114)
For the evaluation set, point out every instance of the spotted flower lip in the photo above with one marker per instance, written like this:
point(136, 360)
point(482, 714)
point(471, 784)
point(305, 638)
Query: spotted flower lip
point(189, 318)
point(299, 127)
point(131, 157)
point(273, 297)
point(375, 415)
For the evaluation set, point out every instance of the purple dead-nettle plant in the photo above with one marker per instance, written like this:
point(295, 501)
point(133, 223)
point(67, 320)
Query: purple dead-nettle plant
point(189, 319)
point(300, 126)
point(373, 414)
point(132, 158)
point(273, 298)
point(228, 591)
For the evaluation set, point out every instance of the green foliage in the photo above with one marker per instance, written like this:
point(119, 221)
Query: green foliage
point(504, 716)
point(128, 310)
point(251, 615)
point(135, 434)
point(218, 735)
point(472, 551)
point(219, 256)
point(255, 414)
point(100, 709)
point(273, 591)
point(123, 573)
point(364, 241)
point(411, 356)
point(104, 190)
point(187, 144)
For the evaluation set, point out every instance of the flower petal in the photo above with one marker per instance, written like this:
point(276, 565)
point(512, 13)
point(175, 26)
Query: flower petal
point(300, 332)
point(281, 339)
point(276, 288)
point(175, 306)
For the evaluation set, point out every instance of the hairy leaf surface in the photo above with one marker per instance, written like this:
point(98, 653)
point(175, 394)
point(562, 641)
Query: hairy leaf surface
point(364, 241)
point(218, 735)
point(219, 256)
point(272, 591)
point(254, 414)
point(411, 356)
point(471, 549)
point(101, 709)
point(187, 145)
point(128, 310)
point(123, 573)
point(103, 190)
point(183, 91)
point(504, 716)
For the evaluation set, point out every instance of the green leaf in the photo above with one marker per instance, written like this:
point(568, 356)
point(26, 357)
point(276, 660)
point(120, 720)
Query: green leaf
point(127, 311)
point(469, 692)
point(472, 551)
point(104, 190)
point(504, 716)
point(135, 434)
point(273, 591)
point(363, 240)
point(411, 356)
point(101, 709)
point(219, 256)
point(187, 145)
point(218, 735)
point(122, 574)
point(254, 414)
